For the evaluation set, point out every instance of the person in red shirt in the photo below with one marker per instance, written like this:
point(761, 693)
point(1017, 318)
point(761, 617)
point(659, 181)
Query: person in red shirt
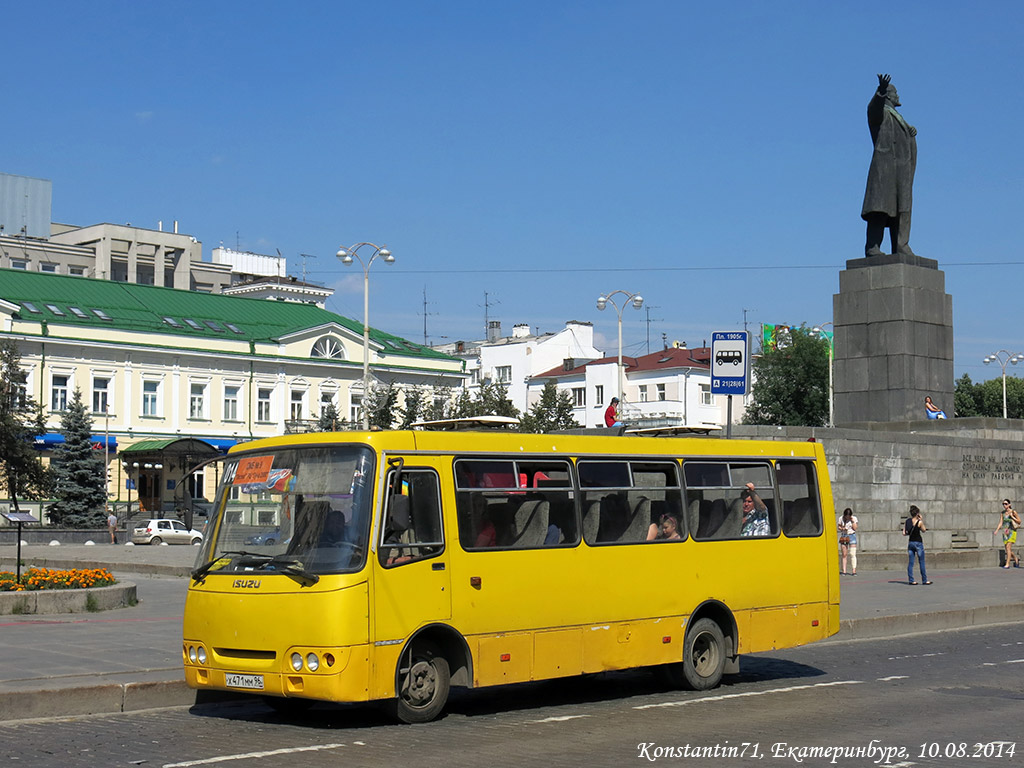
point(611, 415)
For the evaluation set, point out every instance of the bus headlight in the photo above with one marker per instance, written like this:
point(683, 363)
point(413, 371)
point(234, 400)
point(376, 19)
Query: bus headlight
point(201, 654)
point(297, 662)
point(312, 662)
point(192, 654)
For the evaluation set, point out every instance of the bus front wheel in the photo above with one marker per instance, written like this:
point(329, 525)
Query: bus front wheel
point(423, 684)
point(703, 655)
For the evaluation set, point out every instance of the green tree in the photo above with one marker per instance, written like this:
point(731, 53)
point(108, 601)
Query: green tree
point(493, 401)
point(554, 410)
point(412, 408)
point(79, 481)
point(966, 401)
point(381, 402)
point(791, 384)
point(439, 407)
point(330, 420)
point(21, 472)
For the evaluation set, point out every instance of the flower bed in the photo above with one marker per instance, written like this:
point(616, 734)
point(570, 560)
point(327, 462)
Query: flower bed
point(35, 579)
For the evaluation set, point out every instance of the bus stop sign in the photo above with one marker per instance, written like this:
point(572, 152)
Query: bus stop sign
point(730, 369)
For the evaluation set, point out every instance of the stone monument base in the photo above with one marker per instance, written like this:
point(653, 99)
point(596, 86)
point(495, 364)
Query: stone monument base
point(893, 340)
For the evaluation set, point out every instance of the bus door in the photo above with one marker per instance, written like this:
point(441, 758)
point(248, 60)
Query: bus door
point(412, 584)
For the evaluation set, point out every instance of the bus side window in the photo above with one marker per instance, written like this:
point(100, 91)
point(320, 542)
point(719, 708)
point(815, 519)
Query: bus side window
point(801, 510)
point(412, 523)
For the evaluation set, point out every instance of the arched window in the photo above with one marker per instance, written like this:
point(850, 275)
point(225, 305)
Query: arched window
point(328, 347)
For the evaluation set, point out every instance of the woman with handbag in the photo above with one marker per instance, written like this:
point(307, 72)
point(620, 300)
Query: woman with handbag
point(847, 526)
point(1009, 522)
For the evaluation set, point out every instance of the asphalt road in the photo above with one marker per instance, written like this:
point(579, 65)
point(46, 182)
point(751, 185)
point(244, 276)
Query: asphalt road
point(904, 702)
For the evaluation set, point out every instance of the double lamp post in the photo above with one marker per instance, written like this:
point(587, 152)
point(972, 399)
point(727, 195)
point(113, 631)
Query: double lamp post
point(347, 256)
point(603, 301)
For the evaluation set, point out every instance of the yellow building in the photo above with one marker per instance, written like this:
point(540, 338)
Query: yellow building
point(172, 377)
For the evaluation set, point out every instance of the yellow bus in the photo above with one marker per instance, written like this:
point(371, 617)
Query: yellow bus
point(361, 566)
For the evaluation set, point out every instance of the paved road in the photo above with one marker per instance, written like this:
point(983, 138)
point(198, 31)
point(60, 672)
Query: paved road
point(920, 694)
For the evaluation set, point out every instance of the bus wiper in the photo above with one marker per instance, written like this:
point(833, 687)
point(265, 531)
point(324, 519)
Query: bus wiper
point(199, 573)
point(294, 568)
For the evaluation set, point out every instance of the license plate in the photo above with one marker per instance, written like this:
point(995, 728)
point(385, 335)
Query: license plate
point(253, 682)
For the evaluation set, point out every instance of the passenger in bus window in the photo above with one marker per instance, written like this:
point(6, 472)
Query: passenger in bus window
point(666, 528)
point(487, 532)
point(755, 514)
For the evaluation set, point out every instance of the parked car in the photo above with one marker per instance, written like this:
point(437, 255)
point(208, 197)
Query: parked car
point(169, 531)
point(268, 538)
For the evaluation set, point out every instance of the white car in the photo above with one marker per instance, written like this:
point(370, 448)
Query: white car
point(169, 531)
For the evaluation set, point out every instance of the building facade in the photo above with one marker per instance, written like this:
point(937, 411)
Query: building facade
point(173, 377)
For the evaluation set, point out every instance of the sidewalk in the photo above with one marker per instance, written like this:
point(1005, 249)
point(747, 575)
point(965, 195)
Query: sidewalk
point(130, 658)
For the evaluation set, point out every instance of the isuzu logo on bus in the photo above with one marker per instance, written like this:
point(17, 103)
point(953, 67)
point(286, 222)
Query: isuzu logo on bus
point(246, 584)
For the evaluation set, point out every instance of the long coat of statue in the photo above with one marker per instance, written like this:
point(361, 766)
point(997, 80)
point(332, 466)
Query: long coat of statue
point(891, 175)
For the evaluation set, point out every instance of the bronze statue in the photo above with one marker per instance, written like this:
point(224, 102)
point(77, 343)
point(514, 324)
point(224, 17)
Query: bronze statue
point(889, 194)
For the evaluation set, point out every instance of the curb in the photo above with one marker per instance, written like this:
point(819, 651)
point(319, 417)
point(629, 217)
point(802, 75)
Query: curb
point(107, 699)
point(52, 601)
point(152, 569)
point(905, 624)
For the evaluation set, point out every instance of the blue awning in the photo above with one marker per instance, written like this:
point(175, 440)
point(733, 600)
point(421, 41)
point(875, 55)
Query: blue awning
point(50, 440)
point(222, 444)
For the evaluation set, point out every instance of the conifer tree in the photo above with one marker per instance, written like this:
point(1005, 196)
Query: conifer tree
point(330, 420)
point(553, 411)
point(412, 408)
point(21, 472)
point(79, 484)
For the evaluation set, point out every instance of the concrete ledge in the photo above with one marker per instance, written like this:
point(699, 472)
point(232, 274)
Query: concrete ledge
point(49, 601)
point(61, 564)
point(94, 699)
point(888, 626)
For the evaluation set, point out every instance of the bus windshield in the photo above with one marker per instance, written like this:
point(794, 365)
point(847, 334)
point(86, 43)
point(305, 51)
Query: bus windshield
point(292, 510)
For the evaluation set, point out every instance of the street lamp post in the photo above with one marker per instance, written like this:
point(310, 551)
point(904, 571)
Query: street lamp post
point(638, 301)
point(1003, 357)
point(819, 330)
point(347, 255)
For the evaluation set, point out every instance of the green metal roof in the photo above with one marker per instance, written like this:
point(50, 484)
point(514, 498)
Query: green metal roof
point(173, 312)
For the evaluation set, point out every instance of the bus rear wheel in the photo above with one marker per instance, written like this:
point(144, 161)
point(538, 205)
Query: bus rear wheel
point(424, 680)
point(703, 655)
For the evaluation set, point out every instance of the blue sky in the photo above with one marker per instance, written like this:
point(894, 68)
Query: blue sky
point(710, 157)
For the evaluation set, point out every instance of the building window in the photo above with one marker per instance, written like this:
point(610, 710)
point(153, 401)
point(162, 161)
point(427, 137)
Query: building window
point(19, 264)
point(100, 394)
point(579, 396)
point(504, 373)
point(643, 393)
point(296, 405)
point(328, 347)
point(77, 271)
point(48, 267)
point(263, 404)
point(59, 397)
point(231, 403)
point(197, 485)
point(705, 395)
point(197, 401)
point(356, 408)
point(150, 399)
point(661, 391)
point(599, 394)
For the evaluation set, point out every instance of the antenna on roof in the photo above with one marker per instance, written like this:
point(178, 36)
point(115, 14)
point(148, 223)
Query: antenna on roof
point(648, 308)
point(304, 257)
point(487, 317)
point(425, 313)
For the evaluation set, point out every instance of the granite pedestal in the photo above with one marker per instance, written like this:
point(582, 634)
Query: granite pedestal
point(893, 340)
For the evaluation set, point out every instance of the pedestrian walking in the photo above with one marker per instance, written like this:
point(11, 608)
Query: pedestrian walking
point(1009, 522)
point(847, 525)
point(112, 527)
point(913, 527)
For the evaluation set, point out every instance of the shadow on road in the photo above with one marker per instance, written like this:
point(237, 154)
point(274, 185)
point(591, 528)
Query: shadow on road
point(627, 687)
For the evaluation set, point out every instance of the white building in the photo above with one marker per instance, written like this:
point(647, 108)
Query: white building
point(514, 360)
point(670, 386)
